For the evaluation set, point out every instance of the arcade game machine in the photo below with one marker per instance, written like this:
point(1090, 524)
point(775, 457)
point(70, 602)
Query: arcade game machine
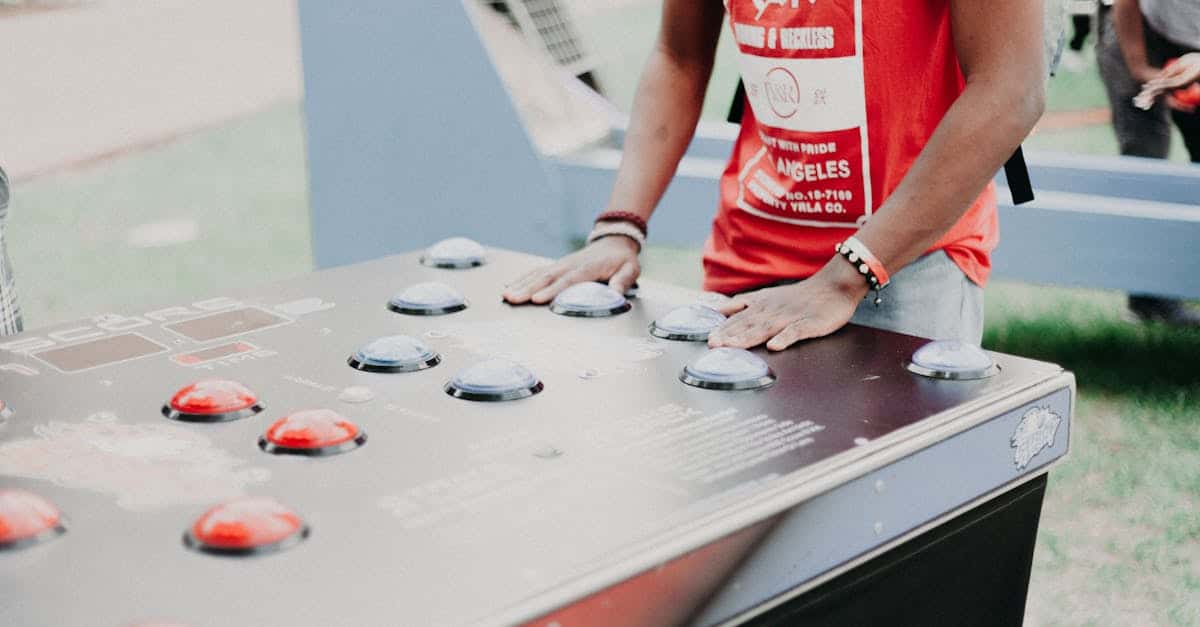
point(388, 443)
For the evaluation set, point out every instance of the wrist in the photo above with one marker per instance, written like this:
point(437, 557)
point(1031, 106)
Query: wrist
point(622, 242)
point(870, 270)
point(618, 230)
point(1143, 73)
point(844, 278)
point(625, 216)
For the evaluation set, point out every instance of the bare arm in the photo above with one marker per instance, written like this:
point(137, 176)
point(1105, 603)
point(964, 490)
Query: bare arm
point(667, 104)
point(1131, 35)
point(999, 47)
point(1003, 99)
point(666, 108)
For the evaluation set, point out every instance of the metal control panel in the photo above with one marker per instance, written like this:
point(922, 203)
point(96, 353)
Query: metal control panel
point(449, 511)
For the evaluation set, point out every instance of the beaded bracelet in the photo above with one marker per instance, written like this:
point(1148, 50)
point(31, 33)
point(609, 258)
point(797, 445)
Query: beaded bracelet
point(867, 264)
point(622, 228)
point(625, 216)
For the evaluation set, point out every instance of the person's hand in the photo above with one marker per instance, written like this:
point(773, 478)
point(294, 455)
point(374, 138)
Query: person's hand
point(1179, 80)
point(782, 316)
point(613, 259)
point(1179, 73)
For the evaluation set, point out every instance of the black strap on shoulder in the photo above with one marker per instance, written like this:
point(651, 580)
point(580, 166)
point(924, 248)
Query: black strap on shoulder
point(1017, 174)
point(1014, 169)
point(738, 105)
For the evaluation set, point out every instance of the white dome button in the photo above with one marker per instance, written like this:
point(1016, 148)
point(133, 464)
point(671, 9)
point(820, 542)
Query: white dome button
point(728, 369)
point(590, 300)
point(455, 252)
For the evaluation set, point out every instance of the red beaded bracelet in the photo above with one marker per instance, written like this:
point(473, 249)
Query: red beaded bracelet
point(624, 216)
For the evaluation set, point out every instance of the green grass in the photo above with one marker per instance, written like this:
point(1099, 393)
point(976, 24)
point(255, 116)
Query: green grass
point(243, 184)
point(1072, 91)
point(1093, 140)
point(1112, 355)
point(1120, 529)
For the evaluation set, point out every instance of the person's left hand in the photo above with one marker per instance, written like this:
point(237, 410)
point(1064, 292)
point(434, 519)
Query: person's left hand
point(1177, 82)
point(1177, 73)
point(782, 316)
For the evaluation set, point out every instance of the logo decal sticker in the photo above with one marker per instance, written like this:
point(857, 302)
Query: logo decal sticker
point(1035, 432)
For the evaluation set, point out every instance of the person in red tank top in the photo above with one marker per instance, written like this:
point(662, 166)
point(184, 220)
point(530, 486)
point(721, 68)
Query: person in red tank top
point(870, 122)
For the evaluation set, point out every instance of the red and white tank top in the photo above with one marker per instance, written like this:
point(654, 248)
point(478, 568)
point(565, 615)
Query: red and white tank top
point(842, 96)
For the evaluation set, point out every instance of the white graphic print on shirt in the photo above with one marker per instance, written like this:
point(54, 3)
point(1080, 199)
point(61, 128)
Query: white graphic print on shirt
point(802, 65)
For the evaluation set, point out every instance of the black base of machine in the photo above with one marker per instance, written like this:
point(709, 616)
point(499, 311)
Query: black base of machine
point(971, 570)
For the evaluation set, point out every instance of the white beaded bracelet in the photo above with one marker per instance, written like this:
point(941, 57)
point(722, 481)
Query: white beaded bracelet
point(617, 227)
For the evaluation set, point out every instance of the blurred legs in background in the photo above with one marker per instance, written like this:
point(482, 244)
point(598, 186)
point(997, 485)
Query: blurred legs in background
point(1082, 12)
point(10, 311)
point(1081, 27)
point(1139, 133)
point(1145, 134)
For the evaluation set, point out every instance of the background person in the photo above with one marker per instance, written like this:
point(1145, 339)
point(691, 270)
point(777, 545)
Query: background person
point(902, 160)
point(1137, 38)
point(1083, 12)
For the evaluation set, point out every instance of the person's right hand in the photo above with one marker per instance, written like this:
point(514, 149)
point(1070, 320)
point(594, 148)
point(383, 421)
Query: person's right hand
point(613, 259)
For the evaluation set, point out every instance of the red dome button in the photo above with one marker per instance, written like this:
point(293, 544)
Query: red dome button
point(246, 526)
point(27, 519)
point(312, 432)
point(214, 400)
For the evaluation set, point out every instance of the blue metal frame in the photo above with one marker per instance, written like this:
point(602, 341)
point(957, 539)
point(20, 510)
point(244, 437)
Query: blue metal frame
point(412, 136)
point(1118, 223)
